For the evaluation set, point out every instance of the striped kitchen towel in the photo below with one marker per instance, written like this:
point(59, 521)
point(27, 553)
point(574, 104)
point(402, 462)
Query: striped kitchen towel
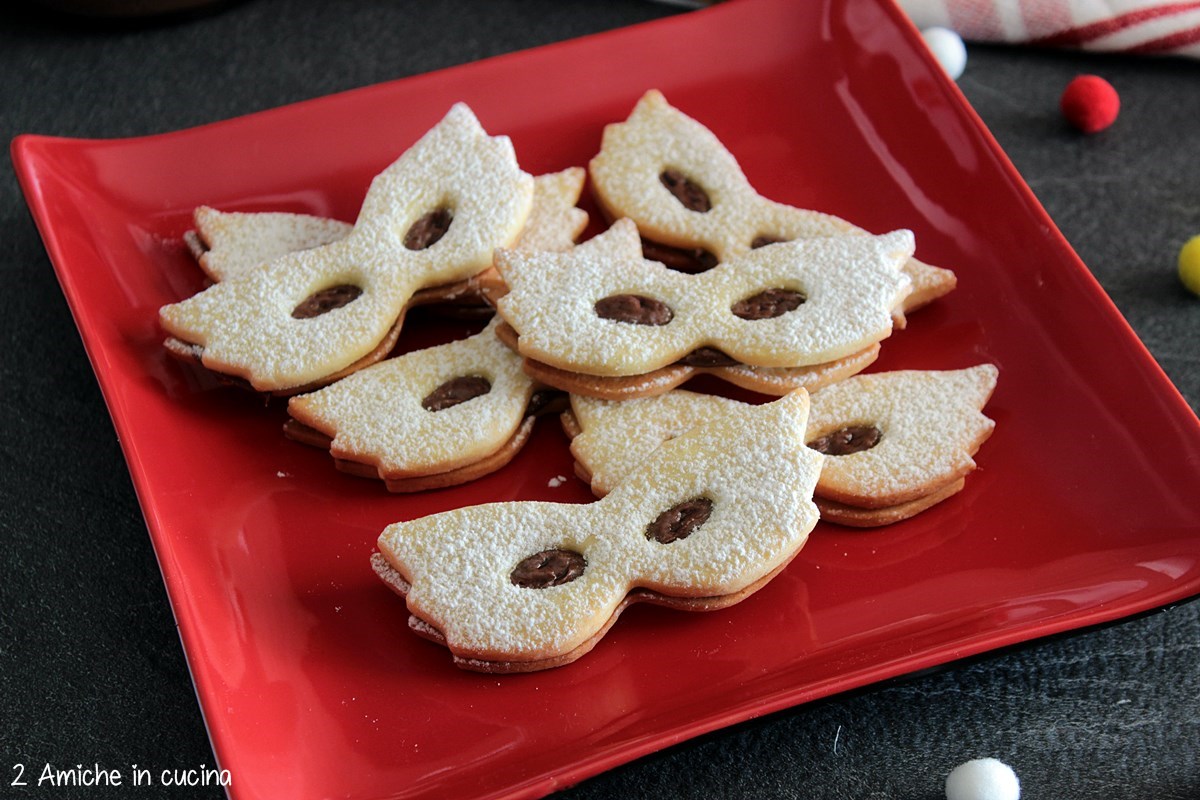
point(1168, 27)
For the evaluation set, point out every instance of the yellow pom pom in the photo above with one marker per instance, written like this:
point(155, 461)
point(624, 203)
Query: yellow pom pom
point(1189, 265)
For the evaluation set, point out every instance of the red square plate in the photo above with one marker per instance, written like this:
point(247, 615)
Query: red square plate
point(1083, 509)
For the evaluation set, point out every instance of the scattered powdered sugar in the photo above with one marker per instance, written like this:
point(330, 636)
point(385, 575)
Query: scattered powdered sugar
point(556, 481)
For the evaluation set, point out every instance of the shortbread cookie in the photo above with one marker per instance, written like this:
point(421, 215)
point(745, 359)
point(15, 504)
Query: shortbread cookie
point(429, 418)
point(894, 437)
point(432, 218)
point(556, 222)
point(776, 381)
point(226, 243)
point(857, 517)
point(688, 196)
point(530, 585)
point(896, 442)
point(602, 309)
point(400, 586)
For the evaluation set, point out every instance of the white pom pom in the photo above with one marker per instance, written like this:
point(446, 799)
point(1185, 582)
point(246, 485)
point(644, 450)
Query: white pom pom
point(983, 779)
point(948, 48)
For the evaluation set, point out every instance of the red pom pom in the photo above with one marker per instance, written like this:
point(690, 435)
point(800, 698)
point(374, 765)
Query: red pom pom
point(1090, 103)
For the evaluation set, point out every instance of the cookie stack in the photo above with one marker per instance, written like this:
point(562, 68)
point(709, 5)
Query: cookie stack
point(702, 498)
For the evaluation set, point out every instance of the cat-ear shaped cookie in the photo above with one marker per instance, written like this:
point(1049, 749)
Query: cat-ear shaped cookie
point(704, 521)
point(427, 419)
point(225, 243)
point(691, 200)
point(602, 309)
point(432, 218)
point(896, 443)
point(897, 438)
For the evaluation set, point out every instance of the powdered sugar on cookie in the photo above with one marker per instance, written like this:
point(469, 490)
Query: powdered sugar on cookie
point(844, 289)
point(895, 442)
point(228, 242)
point(392, 416)
point(929, 426)
point(225, 243)
point(434, 217)
point(683, 188)
point(748, 469)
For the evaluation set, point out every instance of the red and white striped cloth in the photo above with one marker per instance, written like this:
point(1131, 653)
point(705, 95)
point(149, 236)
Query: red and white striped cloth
point(1168, 27)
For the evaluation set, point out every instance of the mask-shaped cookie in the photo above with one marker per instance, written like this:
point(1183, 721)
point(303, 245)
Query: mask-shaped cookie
point(691, 200)
point(602, 309)
point(530, 585)
point(896, 443)
point(432, 218)
point(430, 418)
point(226, 243)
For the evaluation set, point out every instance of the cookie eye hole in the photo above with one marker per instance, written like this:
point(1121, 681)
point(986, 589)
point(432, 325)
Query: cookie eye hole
point(455, 391)
point(685, 190)
point(430, 228)
point(680, 520)
point(847, 440)
point(768, 304)
point(540, 401)
point(634, 309)
point(708, 357)
point(326, 300)
point(548, 568)
point(691, 260)
point(764, 239)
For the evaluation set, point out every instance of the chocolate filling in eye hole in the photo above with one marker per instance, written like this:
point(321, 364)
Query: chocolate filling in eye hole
point(691, 260)
point(426, 231)
point(844, 441)
point(685, 190)
point(455, 391)
point(548, 568)
point(707, 357)
point(680, 521)
point(767, 305)
point(634, 309)
point(762, 240)
point(326, 300)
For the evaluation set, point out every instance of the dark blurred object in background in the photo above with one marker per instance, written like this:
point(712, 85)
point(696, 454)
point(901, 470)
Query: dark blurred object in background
point(129, 9)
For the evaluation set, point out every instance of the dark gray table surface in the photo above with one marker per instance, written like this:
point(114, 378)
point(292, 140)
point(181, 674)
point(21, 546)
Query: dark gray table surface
point(91, 667)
